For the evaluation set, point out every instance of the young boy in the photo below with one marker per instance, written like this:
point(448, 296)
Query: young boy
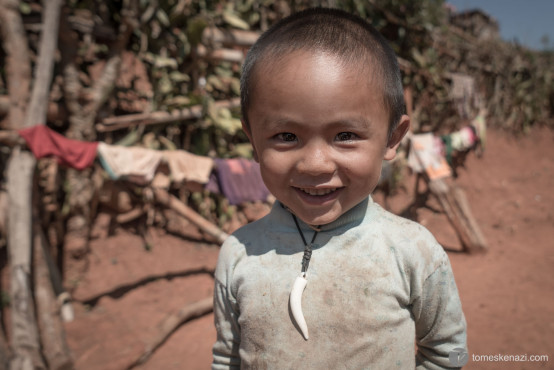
point(323, 106)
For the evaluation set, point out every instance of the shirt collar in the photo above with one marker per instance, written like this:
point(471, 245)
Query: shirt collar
point(282, 215)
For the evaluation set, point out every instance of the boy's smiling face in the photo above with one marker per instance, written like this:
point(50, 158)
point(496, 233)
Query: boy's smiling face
point(319, 131)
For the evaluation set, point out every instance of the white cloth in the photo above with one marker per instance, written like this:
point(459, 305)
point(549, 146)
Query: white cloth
point(129, 161)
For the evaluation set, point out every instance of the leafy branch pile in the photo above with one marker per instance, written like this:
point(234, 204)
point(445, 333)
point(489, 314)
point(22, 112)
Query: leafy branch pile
point(170, 62)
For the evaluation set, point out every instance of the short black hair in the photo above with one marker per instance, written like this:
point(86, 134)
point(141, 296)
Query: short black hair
point(342, 34)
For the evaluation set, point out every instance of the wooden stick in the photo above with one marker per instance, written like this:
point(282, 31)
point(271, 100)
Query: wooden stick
point(11, 138)
point(168, 200)
point(228, 55)
point(55, 348)
point(158, 117)
point(63, 298)
point(454, 203)
point(457, 211)
point(5, 351)
point(214, 35)
point(171, 323)
point(4, 105)
point(478, 241)
point(133, 214)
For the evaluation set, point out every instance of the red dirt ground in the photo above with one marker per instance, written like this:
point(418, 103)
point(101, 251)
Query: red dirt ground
point(507, 293)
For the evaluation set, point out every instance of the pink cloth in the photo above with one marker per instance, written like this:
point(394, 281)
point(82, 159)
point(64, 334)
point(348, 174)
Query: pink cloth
point(45, 142)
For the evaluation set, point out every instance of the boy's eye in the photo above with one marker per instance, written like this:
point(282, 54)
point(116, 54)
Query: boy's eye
point(346, 136)
point(286, 136)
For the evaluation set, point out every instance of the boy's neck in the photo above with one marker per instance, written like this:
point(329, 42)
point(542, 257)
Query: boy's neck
point(352, 212)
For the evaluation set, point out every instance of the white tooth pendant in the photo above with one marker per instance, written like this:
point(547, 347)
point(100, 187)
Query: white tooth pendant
point(295, 301)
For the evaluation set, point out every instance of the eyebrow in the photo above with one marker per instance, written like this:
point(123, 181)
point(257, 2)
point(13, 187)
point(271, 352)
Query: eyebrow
point(355, 122)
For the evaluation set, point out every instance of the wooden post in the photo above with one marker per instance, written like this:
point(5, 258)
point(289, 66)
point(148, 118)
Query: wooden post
point(25, 340)
point(55, 348)
point(22, 164)
point(454, 204)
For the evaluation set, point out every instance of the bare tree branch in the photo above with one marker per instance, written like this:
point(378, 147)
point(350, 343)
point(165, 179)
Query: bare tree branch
point(18, 63)
point(45, 64)
point(21, 168)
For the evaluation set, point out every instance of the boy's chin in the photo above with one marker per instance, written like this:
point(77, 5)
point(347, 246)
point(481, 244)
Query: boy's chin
point(317, 219)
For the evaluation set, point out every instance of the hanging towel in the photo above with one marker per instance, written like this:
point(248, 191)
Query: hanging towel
point(45, 142)
point(239, 180)
point(119, 161)
point(187, 166)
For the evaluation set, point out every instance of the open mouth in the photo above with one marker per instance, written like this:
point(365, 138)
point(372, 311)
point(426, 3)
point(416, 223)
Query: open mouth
point(318, 196)
point(318, 192)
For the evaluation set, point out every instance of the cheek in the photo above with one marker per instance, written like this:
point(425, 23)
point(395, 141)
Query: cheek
point(362, 166)
point(273, 164)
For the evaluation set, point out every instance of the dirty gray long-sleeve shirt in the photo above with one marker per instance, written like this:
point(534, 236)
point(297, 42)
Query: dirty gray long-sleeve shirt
point(377, 285)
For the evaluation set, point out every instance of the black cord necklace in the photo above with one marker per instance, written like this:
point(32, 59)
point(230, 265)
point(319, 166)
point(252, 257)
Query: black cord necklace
point(307, 247)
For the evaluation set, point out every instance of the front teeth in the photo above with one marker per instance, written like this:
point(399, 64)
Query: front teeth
point(318, 191)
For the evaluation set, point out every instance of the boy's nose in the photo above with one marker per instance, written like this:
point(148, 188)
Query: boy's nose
point(316, 160)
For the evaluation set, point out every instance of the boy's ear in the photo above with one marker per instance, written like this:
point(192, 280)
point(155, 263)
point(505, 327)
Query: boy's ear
point(396, 137)
point(248, 133)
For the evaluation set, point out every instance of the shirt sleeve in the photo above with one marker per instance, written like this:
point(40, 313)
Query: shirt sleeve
point(226, 313)
point(439, 320)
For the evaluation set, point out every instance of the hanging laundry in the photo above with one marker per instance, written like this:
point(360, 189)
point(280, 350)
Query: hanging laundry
point(45, 142)
point(461, 140)
point(187, 166)
point(239, 180)
point(426, 154)
point(138, 163)
point(463, 93)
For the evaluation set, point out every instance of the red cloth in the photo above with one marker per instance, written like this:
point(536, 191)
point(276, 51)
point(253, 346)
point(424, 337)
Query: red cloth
point(45, 142)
